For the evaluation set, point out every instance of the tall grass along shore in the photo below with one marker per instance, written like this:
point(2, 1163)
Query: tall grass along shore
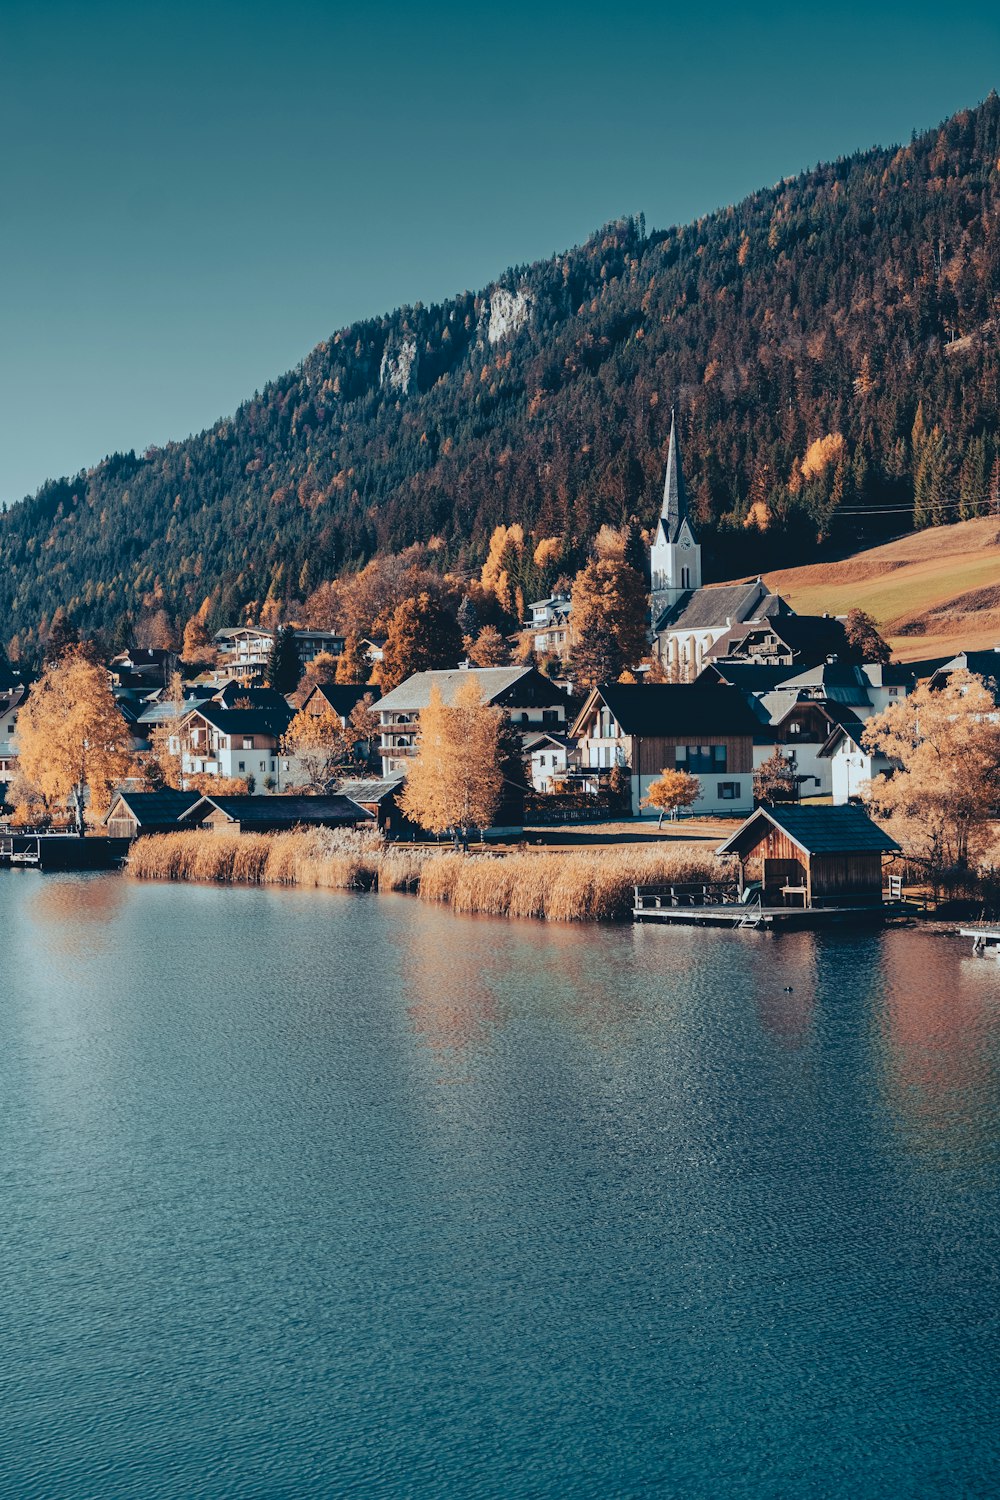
point(585, 886)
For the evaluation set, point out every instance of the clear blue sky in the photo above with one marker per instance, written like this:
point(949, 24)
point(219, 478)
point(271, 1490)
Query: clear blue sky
point(193, 195)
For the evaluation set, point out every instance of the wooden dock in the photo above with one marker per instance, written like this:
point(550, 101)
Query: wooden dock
point(60, 851)
point(715, 906)
point(985, 940)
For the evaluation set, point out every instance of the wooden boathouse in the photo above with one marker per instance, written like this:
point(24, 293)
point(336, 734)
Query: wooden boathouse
point(818, 865)
point(813, 856)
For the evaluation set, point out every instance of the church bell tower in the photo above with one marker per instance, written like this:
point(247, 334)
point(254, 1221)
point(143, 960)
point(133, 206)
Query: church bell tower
point(675, 559)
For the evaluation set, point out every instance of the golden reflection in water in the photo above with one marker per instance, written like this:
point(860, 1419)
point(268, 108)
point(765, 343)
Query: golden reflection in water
point(452, 1003)
point(939, 1031)
point(73, 915)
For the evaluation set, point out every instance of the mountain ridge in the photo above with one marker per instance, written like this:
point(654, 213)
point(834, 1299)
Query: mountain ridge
point(830, 342)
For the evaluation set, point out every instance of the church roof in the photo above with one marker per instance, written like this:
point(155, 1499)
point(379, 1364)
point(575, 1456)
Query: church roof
point(675, 507)
point(716, 608)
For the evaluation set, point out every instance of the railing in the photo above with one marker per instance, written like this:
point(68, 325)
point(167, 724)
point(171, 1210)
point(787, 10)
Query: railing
point(686, 893)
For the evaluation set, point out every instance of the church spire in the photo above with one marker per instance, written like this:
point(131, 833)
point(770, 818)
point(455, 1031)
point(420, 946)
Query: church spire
point(675, 507)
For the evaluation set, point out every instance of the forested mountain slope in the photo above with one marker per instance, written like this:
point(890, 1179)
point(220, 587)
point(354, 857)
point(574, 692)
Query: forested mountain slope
point(831, 343)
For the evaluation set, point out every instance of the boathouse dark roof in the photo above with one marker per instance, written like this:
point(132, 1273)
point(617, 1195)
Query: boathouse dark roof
point(280, 812)
point(164, 806)
point(816, 830)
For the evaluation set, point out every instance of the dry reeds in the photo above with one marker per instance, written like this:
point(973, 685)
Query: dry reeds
point(583, 886)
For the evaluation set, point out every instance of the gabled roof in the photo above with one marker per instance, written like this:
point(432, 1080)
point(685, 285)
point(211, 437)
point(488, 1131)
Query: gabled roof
point(984, 664)
point(341, 697)
point(280, 812)
point(810, 638)
point(243, 720)
point(750, 676)
point(815, 830)
point(371, 789)
point(164, 806)
point(495, 683)
point(717, 608)
point(269, 699)
point(837, 680)
point(686, 708)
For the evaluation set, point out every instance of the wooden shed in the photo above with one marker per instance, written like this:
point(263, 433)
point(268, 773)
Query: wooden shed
point(247, 814)
point(133, 813)
point(814, 856)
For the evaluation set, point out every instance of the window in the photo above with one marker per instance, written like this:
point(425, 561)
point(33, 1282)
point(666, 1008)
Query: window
point(248, 742)
point(794, 729)
point(242, 765)
point(728, 791)
point(549, 716)
point(699, 759)
point(685, 578)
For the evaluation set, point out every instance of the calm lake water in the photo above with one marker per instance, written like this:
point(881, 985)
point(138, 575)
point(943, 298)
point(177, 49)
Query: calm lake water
point(310, 1194)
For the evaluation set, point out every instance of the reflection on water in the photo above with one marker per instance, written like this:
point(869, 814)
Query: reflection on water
point(940, 1026)
point(317, 1194)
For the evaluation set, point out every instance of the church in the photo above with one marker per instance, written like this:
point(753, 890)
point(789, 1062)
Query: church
point(687, 619)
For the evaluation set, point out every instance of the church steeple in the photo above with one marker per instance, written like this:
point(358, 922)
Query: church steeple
point(675, 562)
point(674, 509)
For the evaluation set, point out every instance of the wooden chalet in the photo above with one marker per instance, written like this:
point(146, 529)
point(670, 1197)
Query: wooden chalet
point(813, 856)
point(248, 814)
point(706, 730)
point(135, 813)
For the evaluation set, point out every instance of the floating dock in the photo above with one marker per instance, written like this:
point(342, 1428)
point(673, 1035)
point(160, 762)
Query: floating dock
point(60, 851)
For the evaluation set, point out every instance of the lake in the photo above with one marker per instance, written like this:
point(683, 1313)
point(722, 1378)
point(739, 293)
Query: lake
point(319, 1194)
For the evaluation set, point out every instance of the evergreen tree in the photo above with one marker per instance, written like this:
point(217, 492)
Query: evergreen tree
point(283, 670)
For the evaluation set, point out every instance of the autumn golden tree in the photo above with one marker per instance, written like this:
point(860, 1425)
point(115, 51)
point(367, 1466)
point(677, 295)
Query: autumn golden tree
point(455, 781)
point(423, 635)
point(73, 741)
point(489, 649)
point(946, 743)
point(319, 745)
point(609, 621)
point(671, 791)
point(353, 663)
point(322, 669)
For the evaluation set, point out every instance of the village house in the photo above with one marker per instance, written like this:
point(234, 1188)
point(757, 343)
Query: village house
point(12, 698)
point(531, 700)
point(550, 757)
point(550, 626)
point(706, 731)
point(786, 640)
point(851, 765)
point(380, 797)
point(243, 651)
point(814, 856)
point(250, 814)
point(237, 742)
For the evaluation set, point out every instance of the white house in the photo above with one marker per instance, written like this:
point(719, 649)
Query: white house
point(550, 756)
point(12, 698)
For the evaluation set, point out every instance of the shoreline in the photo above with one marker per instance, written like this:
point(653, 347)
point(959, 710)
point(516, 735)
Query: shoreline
point(575, 885)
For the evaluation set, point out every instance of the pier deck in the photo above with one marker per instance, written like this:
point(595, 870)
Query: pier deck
point(707, 906)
